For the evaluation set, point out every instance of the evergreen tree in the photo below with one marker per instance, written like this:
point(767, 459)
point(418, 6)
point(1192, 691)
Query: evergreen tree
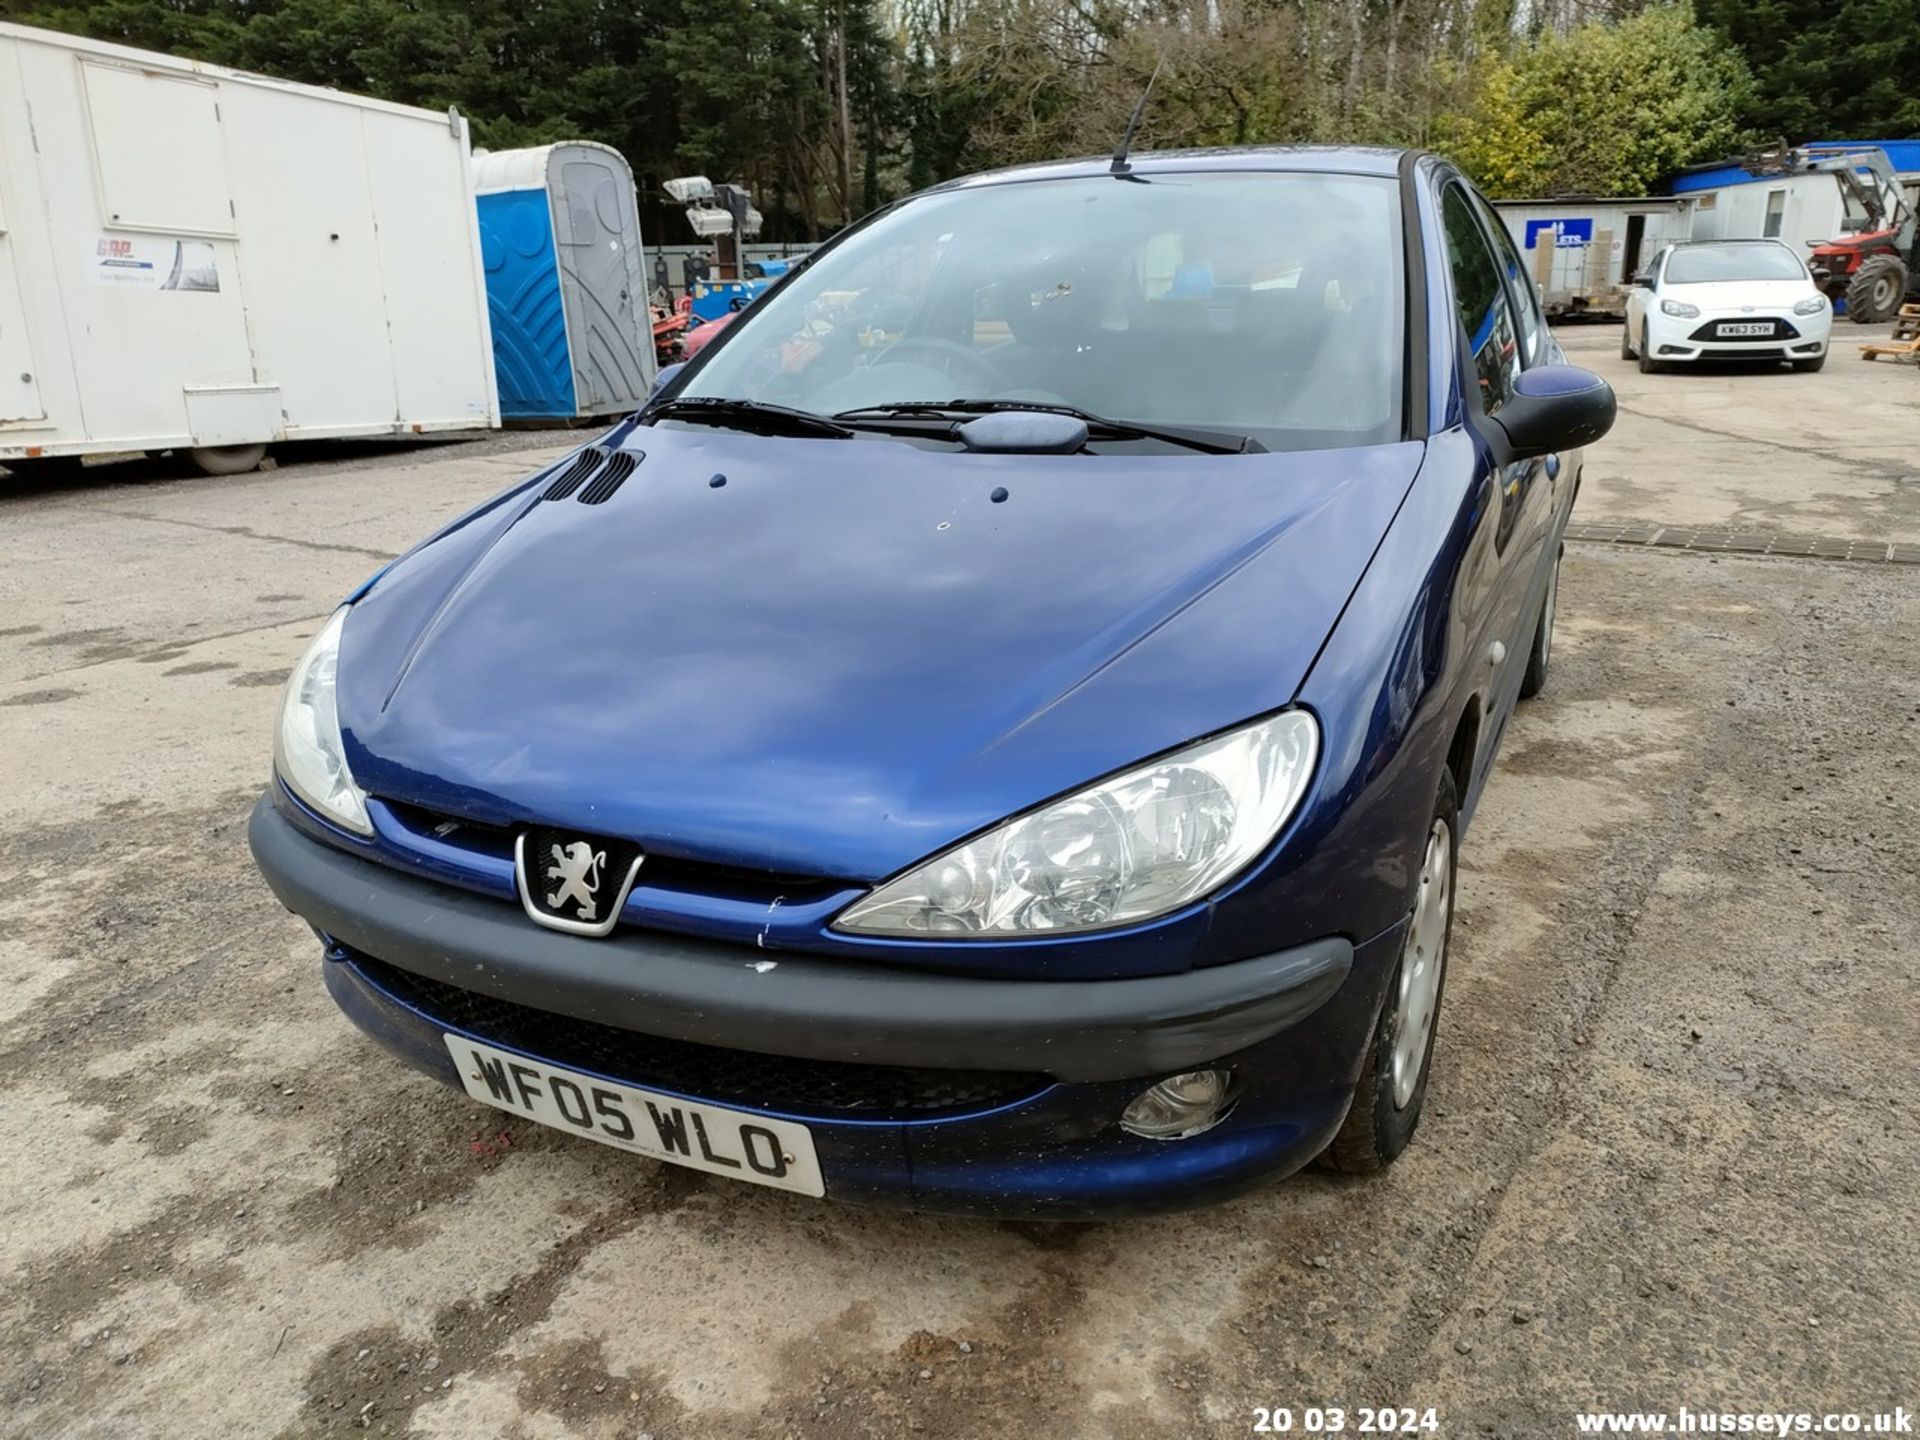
point(1825, 70)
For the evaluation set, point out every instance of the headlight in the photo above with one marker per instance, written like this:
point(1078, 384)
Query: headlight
point(1679, 308)
point(1134, 846)
point(306, 749)
point(1812, 305)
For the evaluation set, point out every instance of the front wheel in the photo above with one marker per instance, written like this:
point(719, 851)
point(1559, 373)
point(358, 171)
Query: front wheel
point(1876, 289)
point(1626, 341)
point(1648, 365)
point(1387, 1099)
point(1812, 363)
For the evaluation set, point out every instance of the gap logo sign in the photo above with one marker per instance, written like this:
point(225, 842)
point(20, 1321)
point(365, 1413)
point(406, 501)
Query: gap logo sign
point(1566, 233)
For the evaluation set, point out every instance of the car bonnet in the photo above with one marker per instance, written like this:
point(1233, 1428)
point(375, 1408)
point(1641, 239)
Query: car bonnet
point(825, 657)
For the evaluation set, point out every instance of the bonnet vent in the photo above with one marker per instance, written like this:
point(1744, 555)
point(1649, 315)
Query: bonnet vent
point(601, 471)
point(612, 475)
point(576, 470)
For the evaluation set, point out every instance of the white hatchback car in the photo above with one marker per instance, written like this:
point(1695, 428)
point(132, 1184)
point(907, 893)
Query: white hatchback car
point(1726, 300)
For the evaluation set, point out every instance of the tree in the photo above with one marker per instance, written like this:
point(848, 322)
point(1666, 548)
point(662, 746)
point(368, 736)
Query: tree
point(782, 95)
point(1827, 71)
point(826, 108)
point(1604, 109)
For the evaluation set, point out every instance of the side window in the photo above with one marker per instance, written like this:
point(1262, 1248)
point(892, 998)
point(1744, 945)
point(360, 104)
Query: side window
point(1480, 296)
point(1526, 299)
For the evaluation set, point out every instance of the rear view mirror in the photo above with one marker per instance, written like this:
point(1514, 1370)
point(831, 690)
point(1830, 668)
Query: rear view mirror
point(1553, 407)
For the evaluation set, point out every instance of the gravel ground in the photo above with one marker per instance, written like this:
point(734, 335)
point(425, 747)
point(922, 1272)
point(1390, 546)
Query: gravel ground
point(1671, 1152)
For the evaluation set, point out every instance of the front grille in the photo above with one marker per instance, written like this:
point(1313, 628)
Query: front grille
point(826, 1089)
point(660, 872)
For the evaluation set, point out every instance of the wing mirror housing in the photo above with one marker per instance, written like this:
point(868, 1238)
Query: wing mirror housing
point(666, 377)
point(1644, 280)
point(1553, 407)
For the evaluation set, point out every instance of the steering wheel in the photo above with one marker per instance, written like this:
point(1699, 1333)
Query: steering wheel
point(977, 374)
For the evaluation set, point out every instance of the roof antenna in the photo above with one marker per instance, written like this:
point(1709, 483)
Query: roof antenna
point(1120, 165)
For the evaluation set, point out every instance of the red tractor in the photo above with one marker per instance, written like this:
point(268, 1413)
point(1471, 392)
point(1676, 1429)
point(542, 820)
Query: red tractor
point(1874, 267)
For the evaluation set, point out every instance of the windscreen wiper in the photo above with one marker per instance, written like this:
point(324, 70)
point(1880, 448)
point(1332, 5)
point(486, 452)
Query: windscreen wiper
point(753, 415)
point(1208, 442)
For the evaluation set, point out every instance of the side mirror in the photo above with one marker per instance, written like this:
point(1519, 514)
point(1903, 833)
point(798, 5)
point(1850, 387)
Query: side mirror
point(665, 377)
point(1553, 407)
point(1644, 280)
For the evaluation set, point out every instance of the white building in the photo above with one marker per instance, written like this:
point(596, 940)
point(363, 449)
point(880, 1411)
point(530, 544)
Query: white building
point(1732, 203)
point(1583, 252)
point(195, 258)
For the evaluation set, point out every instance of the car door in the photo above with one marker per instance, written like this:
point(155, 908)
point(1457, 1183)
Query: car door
point(1539, 480)
point(1492, 349)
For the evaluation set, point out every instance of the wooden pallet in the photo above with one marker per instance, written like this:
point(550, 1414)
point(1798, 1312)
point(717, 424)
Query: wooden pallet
point(1904, 343)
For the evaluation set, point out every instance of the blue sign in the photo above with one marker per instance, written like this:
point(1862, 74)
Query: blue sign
point(1566, 233)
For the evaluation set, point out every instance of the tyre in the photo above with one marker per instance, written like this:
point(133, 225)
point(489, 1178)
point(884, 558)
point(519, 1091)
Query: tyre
point(1535, 680)
point(1812, 364)
point(1876, 289)
point(1626, 342)
point(1387, 1099)
point(1648, 365)
point(227, 459)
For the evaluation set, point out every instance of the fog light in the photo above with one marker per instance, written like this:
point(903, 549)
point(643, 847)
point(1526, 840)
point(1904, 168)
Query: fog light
point(1180, 1105)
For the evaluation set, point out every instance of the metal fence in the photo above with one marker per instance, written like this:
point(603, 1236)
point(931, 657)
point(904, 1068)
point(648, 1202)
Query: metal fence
point(677, 256)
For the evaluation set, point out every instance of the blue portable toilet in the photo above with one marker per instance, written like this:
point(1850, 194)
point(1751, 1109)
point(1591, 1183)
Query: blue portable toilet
point(560, 235)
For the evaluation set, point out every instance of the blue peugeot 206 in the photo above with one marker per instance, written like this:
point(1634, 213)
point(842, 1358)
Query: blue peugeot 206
point(993, 733)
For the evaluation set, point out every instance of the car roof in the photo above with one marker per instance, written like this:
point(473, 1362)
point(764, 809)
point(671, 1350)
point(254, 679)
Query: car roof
point(1310, 159)
point(1722, 244)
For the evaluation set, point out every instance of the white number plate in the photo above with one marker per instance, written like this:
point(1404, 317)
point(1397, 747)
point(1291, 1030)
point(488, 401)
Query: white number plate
point(707, 1137)
point(1744, 327)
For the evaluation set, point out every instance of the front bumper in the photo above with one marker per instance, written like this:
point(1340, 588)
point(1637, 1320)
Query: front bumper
point(1678, 339)
point(1052, 1147)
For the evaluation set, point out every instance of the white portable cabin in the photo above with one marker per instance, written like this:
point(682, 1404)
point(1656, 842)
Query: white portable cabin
point(1732, 203)
point(1801, 210)
point(196, 258)
point(566, 281)
point(1583, 252)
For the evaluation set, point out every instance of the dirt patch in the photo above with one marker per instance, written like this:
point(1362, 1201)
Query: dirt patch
point(381, 1375)
point(254, 679)
point(91, 646)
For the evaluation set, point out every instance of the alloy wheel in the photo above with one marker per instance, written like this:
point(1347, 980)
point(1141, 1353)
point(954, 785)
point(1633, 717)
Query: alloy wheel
point(1423, 964)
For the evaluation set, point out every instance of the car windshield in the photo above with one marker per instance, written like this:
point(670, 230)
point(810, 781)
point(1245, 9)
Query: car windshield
point(1268, 305)
point(1703, 264)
